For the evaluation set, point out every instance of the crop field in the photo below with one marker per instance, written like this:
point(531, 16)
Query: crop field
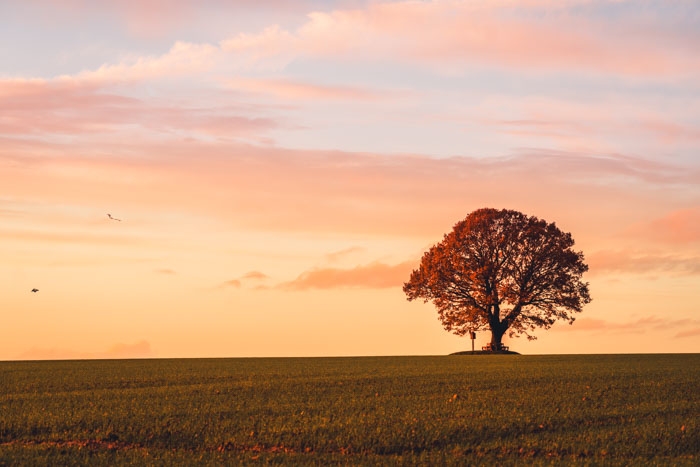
point(449, 410)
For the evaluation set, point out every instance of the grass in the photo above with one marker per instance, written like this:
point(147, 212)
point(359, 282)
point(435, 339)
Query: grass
point(453, 410)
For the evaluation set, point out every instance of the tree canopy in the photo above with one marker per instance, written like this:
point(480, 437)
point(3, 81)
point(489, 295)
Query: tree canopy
point(503, 271)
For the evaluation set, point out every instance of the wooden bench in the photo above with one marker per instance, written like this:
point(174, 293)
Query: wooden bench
point(490, 348)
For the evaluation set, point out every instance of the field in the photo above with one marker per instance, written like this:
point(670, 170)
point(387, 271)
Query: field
point(451, 410)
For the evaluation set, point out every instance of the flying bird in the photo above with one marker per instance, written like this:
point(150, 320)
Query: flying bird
point(35, 290)
point(113, 218)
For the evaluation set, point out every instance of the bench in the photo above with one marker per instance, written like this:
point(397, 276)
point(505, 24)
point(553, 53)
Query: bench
point(491, 348)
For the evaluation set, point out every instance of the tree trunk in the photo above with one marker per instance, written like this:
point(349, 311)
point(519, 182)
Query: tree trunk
point(497, 332)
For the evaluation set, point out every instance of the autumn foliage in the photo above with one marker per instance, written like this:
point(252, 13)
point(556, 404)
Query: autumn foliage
point(503, 271)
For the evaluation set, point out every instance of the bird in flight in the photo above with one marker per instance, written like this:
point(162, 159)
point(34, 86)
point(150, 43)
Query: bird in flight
point(35, 290)
point(113, 218)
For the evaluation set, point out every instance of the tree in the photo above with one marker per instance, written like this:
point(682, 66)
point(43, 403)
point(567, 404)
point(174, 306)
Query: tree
point(504, 271)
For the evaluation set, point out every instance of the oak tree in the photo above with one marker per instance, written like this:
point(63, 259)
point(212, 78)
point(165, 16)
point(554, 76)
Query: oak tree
point(503, 271)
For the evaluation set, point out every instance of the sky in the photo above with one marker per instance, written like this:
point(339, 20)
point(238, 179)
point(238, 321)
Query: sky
point(278, 169)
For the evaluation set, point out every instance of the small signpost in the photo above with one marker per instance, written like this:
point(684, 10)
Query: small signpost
point(472, 334)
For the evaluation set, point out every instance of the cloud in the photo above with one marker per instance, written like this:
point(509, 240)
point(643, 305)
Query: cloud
point(235, 283)
point(605, 167)
point(689, 333)
point(588, 324)
point(671, 132)
point(251, 276)
point(641, 325)
point(40, 107)
point(288, 89)
point(273, 48)
point(575, 123)
point(532, 36)
point(254, 275)
point(620, 261)
point(183, 59)
point(375, 276)
point(281, 190)
point(460, 35)
point(141, 349)
point(338, 255)
point(677, 227)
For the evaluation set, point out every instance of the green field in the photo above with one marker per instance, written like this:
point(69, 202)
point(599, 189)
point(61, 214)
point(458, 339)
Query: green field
point(456, 410)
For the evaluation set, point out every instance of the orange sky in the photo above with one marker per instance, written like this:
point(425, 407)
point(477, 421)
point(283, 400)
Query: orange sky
point(278, 172)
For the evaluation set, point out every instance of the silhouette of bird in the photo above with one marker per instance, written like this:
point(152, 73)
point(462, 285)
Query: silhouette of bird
point(35, 290)
point(113, 218)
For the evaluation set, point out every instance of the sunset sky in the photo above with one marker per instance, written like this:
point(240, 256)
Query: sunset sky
point(279, 168)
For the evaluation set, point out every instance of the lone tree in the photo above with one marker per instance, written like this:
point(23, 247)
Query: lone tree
point(502, 271)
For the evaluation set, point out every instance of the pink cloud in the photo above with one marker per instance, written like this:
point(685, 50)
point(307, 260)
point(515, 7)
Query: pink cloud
point(599, 325)
point(273, 47)
point(671, 132)
point(616, 262)
point(254, 275)
point(235, 283)
point(585, 125)
point(288, 89)
point(641, 325)
point(457, 34)
point(689, 333)
point(183, 59)
point(273, 189)
point(609, 167)
point(453, 35)
point(38, 107)
point(677, 227)
point(374, 275)
point(337, 255)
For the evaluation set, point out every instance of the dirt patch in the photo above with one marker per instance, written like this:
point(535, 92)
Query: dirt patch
point(486, 352)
